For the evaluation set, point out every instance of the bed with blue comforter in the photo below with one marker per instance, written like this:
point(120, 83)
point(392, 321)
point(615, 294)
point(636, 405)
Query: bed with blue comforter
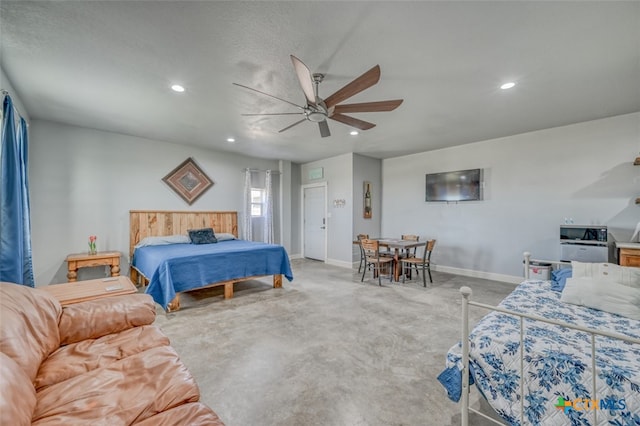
point(557, 363)
point(175, 268)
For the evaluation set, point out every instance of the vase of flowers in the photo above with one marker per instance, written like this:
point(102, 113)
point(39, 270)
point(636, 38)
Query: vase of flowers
point(92, 244)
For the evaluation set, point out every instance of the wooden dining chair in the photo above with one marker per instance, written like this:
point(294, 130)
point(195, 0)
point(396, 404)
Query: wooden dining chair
point(359, 238)
point(423, 262)
point(411, 252)
point(374, 261)
point(410, 237)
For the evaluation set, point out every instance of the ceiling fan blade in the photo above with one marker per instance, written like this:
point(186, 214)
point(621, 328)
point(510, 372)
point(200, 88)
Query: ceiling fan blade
point(368, 106)
point(306, 81)
point(294, 124)
point(324, 129)
point(361, 83)
point(353, 122)
point(273, 113)
point(271, 96)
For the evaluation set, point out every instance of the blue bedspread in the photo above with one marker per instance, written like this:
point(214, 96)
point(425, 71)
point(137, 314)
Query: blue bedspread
point(557, 363)
point(174, 268)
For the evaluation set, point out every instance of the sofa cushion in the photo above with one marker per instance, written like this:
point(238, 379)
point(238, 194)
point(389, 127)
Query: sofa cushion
point(97, 318)
point(17, 395)
point(29, 319)
point(81, 357)
point(192, 414)
point(132, 389)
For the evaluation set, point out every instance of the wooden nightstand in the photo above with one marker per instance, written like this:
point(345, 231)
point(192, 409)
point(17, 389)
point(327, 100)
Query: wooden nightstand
point(84, 260)
point(629, 254)
point(76, 292)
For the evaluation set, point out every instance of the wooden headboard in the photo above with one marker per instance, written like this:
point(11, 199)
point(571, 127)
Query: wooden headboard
point(155, 223)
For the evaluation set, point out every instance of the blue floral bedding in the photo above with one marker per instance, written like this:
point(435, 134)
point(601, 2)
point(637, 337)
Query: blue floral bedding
point(557, 363)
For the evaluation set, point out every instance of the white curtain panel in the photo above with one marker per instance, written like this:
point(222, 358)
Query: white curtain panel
point(268, 210)
point(246, 206)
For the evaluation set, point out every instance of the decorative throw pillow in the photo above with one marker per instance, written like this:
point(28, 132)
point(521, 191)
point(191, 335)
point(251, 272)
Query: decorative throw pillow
point(202, 236)
point(603, 295)
point(610, 272)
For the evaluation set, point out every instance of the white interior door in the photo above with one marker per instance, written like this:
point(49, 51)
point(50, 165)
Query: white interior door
point(315, 226)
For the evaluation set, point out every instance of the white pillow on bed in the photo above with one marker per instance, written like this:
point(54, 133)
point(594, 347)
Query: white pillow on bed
point(625, 275)
point(163, 240)
point(603, 295)
point(225, 237)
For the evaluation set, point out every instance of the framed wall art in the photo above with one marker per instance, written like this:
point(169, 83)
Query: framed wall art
point(188, 181)
point(367, 200)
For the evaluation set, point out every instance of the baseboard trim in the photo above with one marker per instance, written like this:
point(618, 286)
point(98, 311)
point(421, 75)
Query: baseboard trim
point(511, 279)
point(340, 263)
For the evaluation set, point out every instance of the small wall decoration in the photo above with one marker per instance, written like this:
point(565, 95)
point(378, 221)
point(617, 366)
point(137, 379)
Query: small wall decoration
point(317, 173)
point(367, 200)
point(339, 203)
point(188, 181)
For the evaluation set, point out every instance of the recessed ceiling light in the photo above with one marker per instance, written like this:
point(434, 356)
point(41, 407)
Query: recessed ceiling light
point(508, 85)
point(177, 88)
point(353, 132)
point(231, 140)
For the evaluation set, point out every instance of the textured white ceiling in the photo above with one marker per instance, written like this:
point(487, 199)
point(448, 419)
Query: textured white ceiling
point(108, 65)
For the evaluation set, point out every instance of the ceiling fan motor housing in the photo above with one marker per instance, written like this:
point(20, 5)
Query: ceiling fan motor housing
point(316, 116)
point(317, 113)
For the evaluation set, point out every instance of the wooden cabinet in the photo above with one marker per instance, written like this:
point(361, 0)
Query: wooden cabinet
point(630, 257)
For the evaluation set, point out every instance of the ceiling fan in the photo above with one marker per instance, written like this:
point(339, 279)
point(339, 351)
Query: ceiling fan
point(317, 110)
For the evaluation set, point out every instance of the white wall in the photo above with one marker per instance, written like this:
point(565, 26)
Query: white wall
point(370, 170)
point(285, 203)
point(338, 172)
point(5, 84)
point(296, 212)
point(84, 182)
point(532, 182)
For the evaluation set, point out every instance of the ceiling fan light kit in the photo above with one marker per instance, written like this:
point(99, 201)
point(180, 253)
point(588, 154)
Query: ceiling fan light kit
point(316, 116)
point(317, 110)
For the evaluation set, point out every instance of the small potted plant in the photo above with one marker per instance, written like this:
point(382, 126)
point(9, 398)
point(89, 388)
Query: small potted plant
point(92, 244)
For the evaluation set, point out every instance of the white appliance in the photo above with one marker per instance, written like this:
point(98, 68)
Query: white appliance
point(584, 243)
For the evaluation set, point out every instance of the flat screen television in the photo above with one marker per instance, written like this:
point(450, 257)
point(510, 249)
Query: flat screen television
point(461, 185)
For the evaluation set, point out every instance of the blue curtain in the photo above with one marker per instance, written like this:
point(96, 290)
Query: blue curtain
point(15, 226)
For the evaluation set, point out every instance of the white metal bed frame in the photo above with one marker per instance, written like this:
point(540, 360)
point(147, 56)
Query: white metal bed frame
point(466, 302)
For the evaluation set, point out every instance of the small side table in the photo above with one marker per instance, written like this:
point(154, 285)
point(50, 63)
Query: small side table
point(84, 260)
point(70, 293)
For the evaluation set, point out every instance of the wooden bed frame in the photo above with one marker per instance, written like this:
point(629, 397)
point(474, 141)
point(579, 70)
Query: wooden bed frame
point(155, 223)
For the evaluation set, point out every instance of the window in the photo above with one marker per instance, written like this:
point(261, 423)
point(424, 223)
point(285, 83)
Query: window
point(257, 202)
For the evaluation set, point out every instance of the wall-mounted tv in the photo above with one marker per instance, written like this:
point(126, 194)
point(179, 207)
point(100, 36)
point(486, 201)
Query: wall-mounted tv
point(461, 185)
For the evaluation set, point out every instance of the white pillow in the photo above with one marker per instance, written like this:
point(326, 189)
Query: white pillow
point(225, 237)
point(603, 295)
point(610, 272)
point(163, 240)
